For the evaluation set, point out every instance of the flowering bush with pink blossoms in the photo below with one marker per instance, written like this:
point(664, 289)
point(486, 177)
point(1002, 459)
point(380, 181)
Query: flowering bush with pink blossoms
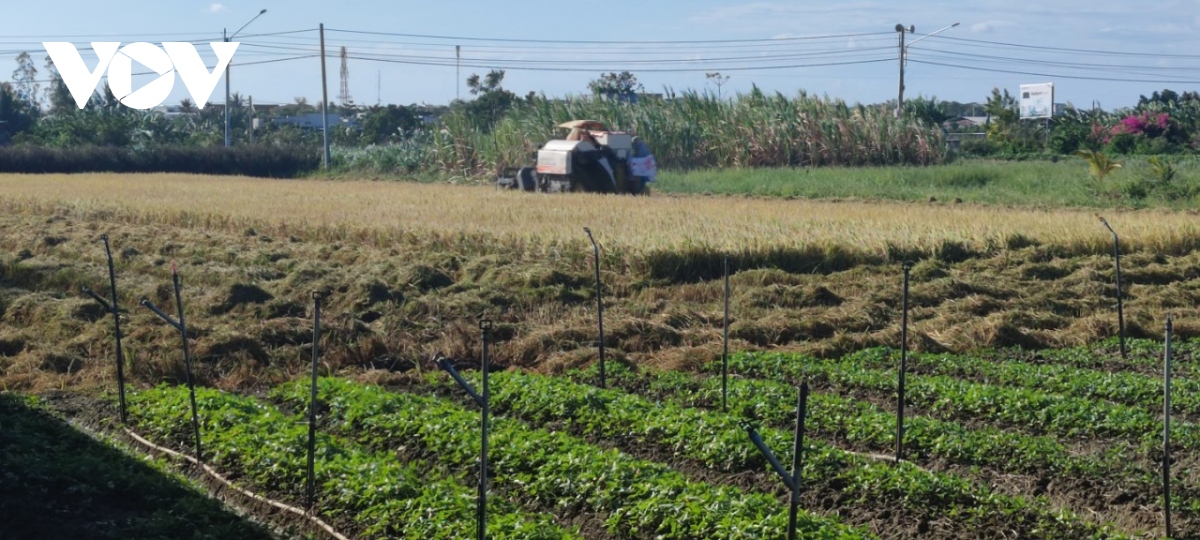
point(1150, 124)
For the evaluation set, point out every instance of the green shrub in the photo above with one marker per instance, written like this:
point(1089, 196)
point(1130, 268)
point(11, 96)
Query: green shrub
point(263, 161)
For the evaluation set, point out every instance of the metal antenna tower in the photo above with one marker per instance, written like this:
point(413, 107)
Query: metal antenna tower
point(344, 94)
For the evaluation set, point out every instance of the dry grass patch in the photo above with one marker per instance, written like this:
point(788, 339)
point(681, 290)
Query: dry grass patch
point(676, 238)
point(411, 268)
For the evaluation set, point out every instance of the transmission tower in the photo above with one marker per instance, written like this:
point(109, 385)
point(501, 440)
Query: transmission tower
point(344, 95)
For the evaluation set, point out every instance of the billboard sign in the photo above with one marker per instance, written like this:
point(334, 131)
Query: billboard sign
point(1037, 100)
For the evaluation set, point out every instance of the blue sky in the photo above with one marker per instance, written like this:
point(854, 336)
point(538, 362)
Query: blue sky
point(1160, 41)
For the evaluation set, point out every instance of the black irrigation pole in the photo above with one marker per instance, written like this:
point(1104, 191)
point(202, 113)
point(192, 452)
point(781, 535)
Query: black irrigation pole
point(903, 367)
point(1167, 429)
point(112, 308)
point(791, 480)
point(485, 327)
point(1120, 306)
point(312, 402)
point(725, 352)
point(599, 305)
point(181, 325)
point(483, 401)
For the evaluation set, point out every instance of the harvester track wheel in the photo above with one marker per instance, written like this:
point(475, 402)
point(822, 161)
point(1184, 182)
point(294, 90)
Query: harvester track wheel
point(526, 179)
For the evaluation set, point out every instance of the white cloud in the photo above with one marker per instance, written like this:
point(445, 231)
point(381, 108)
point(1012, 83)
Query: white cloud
point(1169, 29)
point(987, 27)
point(217, 8)
point(789, 18)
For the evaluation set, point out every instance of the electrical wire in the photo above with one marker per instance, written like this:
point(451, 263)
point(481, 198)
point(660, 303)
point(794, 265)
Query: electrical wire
point(650, 70)
point(600, 42)
point(1075, 65)
point(1054, 75)
point(1066, 49)
point(765, 56)
point(571, 61)
point(559, 51)
point(133, 37)
point(242, 64)
point(1066, 69)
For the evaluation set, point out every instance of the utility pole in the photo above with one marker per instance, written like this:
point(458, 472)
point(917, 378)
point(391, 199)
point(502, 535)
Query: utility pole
point(228, 138)
point(457, 72)
point(719, 80)
point(250, 129)
point(324, 101)
point(900, 96)
point(912, 29)
point(227, 38)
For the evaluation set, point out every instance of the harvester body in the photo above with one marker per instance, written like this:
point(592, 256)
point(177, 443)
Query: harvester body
point(590, 159)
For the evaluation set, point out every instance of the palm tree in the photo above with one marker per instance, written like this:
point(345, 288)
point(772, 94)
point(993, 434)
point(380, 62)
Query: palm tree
point(1099, 163)
point(186, 106)
point(1163, 170)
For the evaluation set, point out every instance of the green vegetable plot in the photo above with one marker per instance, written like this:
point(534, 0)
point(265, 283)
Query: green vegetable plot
point(560, 473)
point(718, 441)
point(382, 497)
point(1122, 387)
point(952, 398)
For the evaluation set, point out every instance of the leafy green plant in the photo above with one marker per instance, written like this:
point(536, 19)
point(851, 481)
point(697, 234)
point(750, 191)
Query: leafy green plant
point(717, 440)
point(1163, 170)
point(947, 397)
point(383, 498)
point(1100, 165)
point(866, 425)
point(557, 471)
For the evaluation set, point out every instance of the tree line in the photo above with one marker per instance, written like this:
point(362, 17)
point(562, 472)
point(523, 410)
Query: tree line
point(1166, 122)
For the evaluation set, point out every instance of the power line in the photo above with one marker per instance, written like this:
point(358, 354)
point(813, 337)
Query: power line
point(1076, 65)
point(199, 37)
point(1066, 49)
point(284, 33)
point(45, 37)
point(1088, 71)
point(670, 47)
point(195, 41)
point(256, 63)
point(601, 42)
point(1060, 76)
point(567, 50)
point(764, 56)
point(571, 61)
point(650, 70)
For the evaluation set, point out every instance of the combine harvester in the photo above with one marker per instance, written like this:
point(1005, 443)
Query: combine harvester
point(590, 159)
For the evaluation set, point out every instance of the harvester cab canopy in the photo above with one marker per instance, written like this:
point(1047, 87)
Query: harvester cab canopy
point(590, 125)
